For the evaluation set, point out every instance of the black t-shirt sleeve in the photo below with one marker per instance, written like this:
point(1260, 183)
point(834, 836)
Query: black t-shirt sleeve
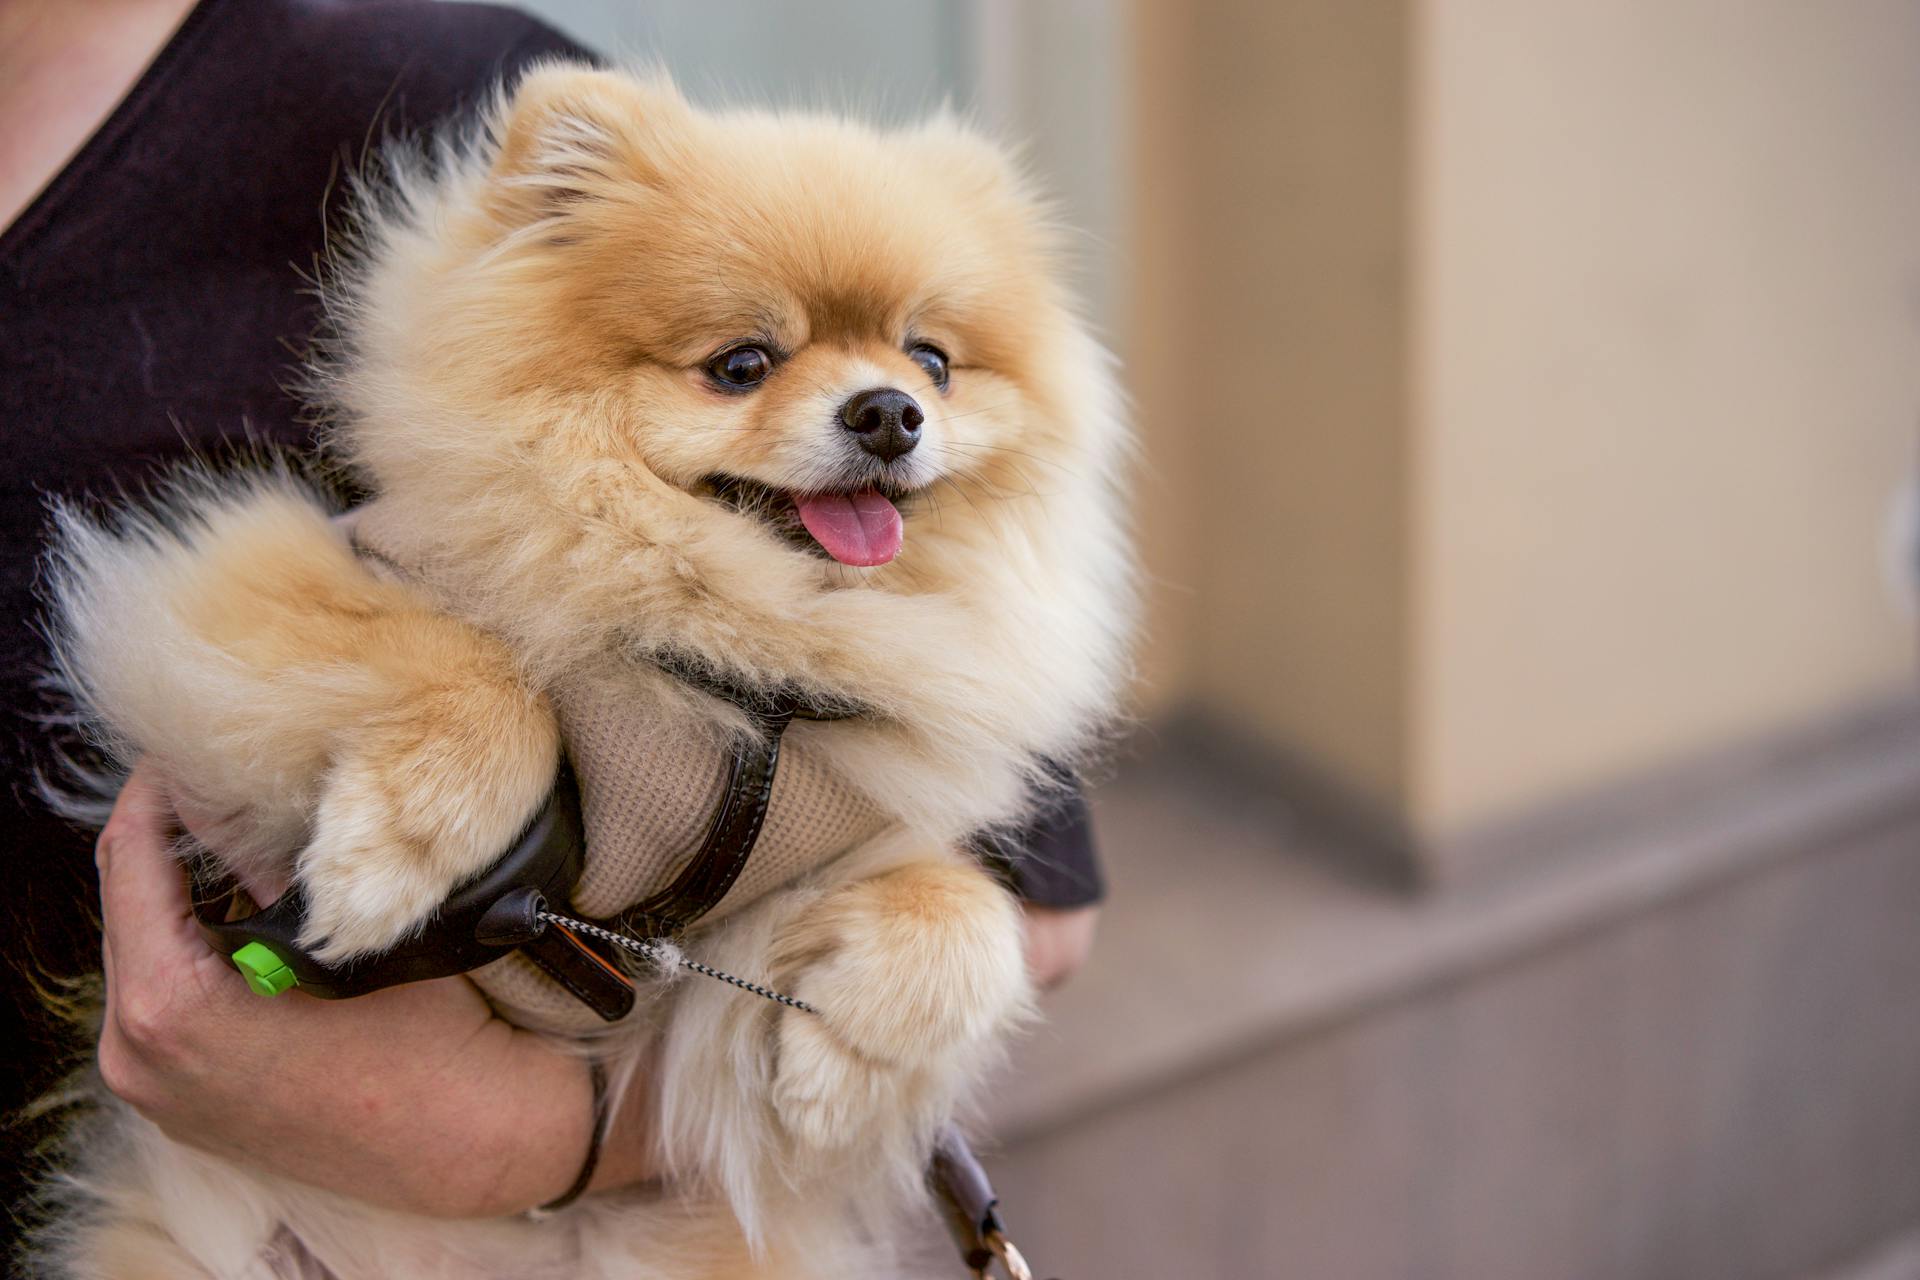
point(1050, 862)
point(541, 42)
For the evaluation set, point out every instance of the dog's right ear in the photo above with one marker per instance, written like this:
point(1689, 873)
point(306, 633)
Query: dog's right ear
point(571, 133)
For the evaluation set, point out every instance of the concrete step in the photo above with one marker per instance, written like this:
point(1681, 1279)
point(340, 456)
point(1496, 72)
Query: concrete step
point(1689, 1047)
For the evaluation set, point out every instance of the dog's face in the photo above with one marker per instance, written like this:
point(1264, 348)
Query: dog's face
point(834, 332)
point(796, 397)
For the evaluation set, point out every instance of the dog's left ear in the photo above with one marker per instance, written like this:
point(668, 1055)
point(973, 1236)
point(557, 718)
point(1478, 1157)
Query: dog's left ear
point(972, 158)
point(570, 133)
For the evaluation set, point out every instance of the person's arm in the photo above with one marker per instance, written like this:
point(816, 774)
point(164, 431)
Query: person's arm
point(416, 1096)
point(1052, 865)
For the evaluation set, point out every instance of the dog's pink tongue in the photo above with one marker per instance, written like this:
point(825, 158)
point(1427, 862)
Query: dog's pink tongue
point(861, 528)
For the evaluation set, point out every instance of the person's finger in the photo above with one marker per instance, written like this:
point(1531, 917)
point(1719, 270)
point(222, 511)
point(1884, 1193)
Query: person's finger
point(140, 810)
point(216, 830)
point(145, 911)
point(1058, 942)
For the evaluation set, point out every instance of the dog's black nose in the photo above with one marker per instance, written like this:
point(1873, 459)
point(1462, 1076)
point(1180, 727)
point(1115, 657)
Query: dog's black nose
point(886, 419)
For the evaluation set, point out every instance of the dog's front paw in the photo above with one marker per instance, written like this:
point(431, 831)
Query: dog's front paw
point(826, 1094)
point(912, 973)
point(396, 832)
point(358, 904)
point(369, 882)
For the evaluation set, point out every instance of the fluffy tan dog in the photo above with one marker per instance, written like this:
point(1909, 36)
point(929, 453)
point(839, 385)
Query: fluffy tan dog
point(798, 398)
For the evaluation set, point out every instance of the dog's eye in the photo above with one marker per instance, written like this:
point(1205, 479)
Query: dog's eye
point(933, 360)
point(741, 367)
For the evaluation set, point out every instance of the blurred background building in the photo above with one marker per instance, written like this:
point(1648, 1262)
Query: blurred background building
point(1516, 872)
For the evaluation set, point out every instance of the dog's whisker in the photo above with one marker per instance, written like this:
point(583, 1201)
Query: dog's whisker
point(1030, 491)
point(1002, 448)
point(974, 413)
point(967, 498)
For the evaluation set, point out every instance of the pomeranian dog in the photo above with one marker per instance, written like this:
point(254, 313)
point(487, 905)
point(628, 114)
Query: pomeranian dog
point(796, 399)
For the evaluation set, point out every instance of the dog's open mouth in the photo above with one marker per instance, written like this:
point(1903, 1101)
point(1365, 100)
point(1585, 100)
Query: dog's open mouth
point(863, 527)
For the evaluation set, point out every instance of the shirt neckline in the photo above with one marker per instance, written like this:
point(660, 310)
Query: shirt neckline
point(112, 133)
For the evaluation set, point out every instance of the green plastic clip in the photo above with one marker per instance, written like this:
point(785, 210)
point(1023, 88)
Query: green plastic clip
point(266, 973)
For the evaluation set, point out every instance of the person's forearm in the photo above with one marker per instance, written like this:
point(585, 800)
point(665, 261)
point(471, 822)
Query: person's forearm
point(489, 1122)
point(416, 1096)
point(509, 1160)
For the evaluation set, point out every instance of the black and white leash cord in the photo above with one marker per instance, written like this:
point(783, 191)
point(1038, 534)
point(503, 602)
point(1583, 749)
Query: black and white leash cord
point(652, 950)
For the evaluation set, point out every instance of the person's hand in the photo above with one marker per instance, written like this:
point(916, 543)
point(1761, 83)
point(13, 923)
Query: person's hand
point(415, 1096)
point(1058, 942)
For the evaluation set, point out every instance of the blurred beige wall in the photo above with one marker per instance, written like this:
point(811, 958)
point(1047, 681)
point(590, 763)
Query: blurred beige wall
point(1268, 352)
point(1525, 385)
point(1668, 319)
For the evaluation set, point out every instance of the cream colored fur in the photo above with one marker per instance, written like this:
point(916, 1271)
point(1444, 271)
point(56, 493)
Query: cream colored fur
point(518, 364)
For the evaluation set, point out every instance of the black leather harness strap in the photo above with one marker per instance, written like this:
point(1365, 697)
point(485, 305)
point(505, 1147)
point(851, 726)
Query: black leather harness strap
point(579, 961)
point(723, 855)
